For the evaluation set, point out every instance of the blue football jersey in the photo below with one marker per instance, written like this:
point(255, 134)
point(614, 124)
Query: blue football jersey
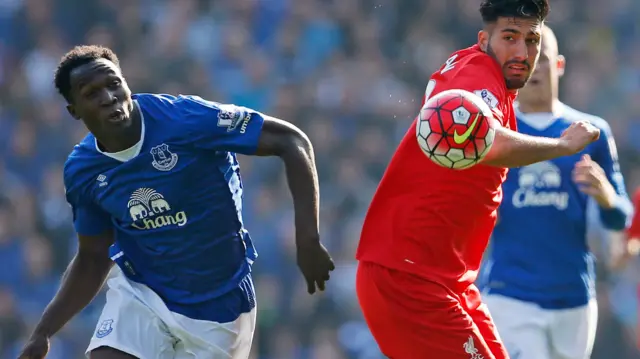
point(539, 251)
point(175, 204)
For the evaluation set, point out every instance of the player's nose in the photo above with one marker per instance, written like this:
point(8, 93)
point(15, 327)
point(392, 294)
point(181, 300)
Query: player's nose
point(521, 51)
point(108, 98)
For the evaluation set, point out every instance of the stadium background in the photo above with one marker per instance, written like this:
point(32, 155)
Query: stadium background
point(349, 72)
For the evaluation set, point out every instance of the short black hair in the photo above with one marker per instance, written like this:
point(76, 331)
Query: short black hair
point(491, 10)
point(76, 57)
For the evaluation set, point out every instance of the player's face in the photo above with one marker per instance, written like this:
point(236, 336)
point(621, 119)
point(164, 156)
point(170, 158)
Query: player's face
point(542, 88)
point(100, 97)
point(515, 44)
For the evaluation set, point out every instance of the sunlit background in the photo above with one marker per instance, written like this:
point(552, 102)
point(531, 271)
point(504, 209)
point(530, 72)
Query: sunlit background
point(349, 72)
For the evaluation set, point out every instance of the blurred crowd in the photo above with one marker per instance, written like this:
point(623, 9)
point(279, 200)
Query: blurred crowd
point(348, 72)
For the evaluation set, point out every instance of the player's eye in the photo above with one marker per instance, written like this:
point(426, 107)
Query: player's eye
point(89, 93)
point(115, 83)
point(533, 41)
point(509, 38)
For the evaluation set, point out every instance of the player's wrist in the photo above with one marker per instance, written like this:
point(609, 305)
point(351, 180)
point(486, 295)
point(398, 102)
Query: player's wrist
point(307, 228)
point(606, 203)
point(307, 238)
point(608, 199)
point(41, 331)
point(564, 148)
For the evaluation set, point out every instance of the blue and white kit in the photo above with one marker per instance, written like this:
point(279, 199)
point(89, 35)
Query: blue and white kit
point(182, 287)
point(539, 279)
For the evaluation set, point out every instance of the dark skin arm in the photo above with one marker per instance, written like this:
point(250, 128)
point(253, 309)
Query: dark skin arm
point(82, 280)
point(282, 139)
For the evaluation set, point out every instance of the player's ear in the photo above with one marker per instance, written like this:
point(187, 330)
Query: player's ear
point(72, 111)
point(483, 40)
point(561, 63)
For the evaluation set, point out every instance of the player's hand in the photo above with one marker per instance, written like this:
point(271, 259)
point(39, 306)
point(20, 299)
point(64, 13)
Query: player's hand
point(592, 180)
point(315, 263)
point(37, 347)
point(578, 136)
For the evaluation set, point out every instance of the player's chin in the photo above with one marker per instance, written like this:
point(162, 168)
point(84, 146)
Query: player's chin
point(516, 83)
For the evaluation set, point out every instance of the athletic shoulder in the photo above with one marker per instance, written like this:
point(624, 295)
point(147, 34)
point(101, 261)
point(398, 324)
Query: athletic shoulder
point(176, 103)
point(81, 165)
point(179, 116)
point(158, 105)
point(203, 123)
point(184, 108)
point(472, 58)
point(473, 70)
point(154, 98)
point(471, 63)
point(571, 115)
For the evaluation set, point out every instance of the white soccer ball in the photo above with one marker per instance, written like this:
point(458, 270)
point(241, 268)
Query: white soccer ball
point(455, 129)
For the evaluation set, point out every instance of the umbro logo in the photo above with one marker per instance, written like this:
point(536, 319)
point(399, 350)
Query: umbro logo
point(102, 180)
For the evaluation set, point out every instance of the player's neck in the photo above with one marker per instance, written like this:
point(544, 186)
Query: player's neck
point(541, 107)
point(125, 139)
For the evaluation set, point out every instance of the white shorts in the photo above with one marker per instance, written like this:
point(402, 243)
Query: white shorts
point(531, 332)
point(136, 321)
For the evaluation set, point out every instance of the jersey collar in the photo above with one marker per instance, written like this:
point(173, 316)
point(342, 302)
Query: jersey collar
point(130, 152)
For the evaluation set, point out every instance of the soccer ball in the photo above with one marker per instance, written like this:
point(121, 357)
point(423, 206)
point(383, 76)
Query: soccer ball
point(455, 129)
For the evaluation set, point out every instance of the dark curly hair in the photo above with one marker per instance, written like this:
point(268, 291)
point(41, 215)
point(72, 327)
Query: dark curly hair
point(491, 10)
point(79, 56)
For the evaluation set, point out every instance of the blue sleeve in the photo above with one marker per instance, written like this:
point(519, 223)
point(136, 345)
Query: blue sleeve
point(606, 155)
point(88, 218)
point(221, 127)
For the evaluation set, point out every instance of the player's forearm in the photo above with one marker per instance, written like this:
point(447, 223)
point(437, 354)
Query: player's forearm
point(80, 283)
point(302, 178)
point(513, 149)
point(282, 139)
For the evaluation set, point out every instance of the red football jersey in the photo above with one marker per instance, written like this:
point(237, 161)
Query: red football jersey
point(634, 229)
point(433, 221)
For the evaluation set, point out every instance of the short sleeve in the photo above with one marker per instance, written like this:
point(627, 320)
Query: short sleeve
point(88, 218)
point(222, 127)
point(475, 75)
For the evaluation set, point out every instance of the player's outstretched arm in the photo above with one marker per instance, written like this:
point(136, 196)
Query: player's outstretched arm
point(282, 139)
point(513, 149)
point(230, 128)
point(80, 283)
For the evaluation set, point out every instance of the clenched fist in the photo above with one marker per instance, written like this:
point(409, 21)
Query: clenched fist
point(578, 136)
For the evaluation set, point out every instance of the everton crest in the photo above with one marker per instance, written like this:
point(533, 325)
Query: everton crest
point(163, 159)
point(105, 328)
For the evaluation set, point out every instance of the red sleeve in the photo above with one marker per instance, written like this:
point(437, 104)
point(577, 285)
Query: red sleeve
point(634, 229)
point(477, 74)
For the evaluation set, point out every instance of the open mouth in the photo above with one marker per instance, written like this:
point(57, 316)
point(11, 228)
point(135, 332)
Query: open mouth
point(116, 116)
point(518, 69)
